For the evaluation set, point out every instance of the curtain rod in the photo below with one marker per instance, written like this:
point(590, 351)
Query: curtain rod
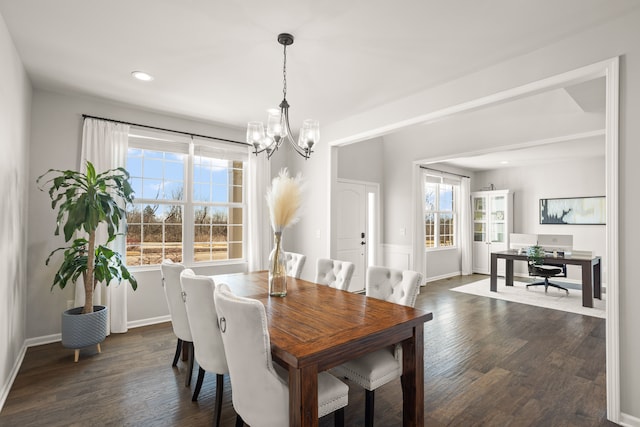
point(85, 116)
point(450, 173)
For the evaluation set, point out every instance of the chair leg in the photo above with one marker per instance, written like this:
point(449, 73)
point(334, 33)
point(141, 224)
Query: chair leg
point(178, 350)
point(192, 357)
point(368, 407)
point(338, 417)
point(239, 421)
point(196, 392)
point(219, 393)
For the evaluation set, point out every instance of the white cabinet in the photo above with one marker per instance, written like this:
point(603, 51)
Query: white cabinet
point(492, 223)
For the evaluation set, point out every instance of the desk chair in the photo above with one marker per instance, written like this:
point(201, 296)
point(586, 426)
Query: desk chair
point(546, 271)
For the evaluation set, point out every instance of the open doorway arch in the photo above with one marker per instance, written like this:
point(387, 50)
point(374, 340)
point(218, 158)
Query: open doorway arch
point(608, 69)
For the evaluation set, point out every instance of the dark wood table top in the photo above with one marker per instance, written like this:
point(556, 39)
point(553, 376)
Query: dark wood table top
point(319, 325)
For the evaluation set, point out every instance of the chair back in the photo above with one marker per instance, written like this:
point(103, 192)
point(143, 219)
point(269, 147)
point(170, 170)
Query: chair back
point(259, 396)
point(203, 319)
point(335, 274)
point(173, 293)
point(294, 263)
point(397, 286)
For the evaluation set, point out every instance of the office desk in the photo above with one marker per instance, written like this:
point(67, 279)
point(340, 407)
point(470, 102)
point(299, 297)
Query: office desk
point(591, 280)
point(315, 328)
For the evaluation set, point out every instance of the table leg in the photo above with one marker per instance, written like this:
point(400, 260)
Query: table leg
point(412, 379)
point(303, 396)
point(508, 279)
point(597, 279)
point(494, 273)
point(587, 285)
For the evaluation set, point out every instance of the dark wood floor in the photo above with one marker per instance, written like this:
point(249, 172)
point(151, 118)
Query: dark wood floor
point(487, 362)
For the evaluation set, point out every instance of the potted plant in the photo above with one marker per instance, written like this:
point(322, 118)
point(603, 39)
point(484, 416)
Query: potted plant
point(86, 201)
point(536, 254)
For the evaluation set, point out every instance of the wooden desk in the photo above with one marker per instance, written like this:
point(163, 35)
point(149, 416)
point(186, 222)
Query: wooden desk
point(315, 328)
point(591, 274)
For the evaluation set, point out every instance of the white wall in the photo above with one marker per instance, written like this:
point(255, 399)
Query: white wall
point(56, 140)
point(565, 179)
point(619, 37)
point(362, 162)
point(15, 105)
point(310, 236)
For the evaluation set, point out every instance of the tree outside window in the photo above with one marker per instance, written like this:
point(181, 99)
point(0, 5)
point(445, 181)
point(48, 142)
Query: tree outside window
point(189, 219)
point(439, 213)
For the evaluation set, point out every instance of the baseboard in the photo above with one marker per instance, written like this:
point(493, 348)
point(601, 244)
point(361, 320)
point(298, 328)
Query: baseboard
point(149, 321)
point(444, 276)
point(6, 387)
point(47, 339)
point(629, 420)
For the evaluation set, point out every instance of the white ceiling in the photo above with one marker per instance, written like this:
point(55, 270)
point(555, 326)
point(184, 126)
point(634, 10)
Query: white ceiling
point(220, 61)
point(554, 126)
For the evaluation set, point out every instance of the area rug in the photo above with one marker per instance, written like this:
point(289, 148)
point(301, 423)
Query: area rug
point(555, 298)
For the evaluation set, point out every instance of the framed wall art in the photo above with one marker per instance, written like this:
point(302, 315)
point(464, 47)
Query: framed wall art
point(573, 210)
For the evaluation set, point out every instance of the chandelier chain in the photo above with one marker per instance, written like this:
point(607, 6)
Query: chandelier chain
point(284, 73)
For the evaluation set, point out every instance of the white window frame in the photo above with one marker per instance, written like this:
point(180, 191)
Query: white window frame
point(190, 147)
point(428, 178)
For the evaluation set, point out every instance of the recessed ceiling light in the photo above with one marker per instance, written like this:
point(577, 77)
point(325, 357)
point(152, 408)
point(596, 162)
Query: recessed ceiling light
point(504, 162)
point(141, 75)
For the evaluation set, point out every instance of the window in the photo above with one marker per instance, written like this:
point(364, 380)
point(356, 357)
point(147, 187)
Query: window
point(189, 200)
point(439, 212)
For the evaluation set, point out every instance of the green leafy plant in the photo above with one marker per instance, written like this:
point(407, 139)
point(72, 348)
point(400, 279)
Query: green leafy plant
point(86, 201)
point(536, 254)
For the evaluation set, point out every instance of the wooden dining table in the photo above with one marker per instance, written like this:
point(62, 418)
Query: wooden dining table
point(315, 328)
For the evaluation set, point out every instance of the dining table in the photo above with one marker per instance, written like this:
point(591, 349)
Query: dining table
point(315, 328)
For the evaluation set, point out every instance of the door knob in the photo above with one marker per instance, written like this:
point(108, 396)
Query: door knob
point(362, 243)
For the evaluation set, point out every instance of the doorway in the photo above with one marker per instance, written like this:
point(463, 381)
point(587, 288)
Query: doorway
point(357, 207)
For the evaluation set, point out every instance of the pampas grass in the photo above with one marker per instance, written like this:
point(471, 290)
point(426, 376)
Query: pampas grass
point(284, 200)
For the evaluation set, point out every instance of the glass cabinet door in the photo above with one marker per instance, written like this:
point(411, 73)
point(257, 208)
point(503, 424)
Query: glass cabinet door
point(479, 208)
point(479, 231)
point(479, 219)
point(497, 218)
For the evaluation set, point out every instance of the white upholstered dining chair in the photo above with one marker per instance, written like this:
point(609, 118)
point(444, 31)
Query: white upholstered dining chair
point(334, 273)
point(179, 320)
point(260, 387)
point(382, 366)
point(207, 342)
point(294, 263)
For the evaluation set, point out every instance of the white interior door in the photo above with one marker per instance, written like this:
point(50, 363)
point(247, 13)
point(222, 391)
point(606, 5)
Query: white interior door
point(352, 230)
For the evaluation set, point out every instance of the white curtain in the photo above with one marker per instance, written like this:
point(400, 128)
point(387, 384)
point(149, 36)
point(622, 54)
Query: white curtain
point(104, 144)
point(419, 259)
point(466, 226)
point(259, 232)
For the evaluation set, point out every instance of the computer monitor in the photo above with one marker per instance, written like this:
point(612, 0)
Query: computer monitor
point(556, 242)
point(522, 241)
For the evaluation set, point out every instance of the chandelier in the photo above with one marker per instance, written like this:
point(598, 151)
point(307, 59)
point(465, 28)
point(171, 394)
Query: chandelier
point(278, 129)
